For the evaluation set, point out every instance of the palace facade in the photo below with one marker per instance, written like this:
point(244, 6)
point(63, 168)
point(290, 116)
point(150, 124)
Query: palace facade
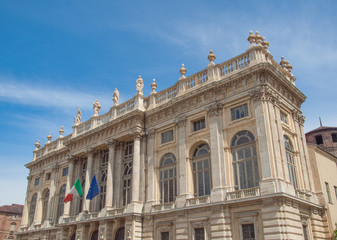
point(221, 154)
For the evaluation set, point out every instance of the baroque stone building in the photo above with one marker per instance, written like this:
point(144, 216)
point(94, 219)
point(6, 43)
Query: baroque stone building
point(219, 155)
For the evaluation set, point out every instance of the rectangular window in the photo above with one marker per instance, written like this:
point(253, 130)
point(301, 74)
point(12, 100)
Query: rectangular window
point(248, 232)
point(239, 112)
point(319, 139)
point(198, 125)
point(165, 236)
point(37, 181)
point(199, 234)
point(284, 118)
point(48, 175)
point(335, 191)
point(328, 191)
point(167, 136)
point(64, 172)
point(334, 137)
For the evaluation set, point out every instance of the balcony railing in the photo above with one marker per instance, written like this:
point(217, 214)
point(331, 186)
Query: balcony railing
point(244, 193)
point(198, 200)
point(164, 206)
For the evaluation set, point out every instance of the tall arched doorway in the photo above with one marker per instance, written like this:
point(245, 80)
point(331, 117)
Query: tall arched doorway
point(120, 234)
point(94, 235)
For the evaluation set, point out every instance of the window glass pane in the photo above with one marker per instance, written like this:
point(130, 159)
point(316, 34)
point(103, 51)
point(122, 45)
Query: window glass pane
point(199, 234)
point(200, 165)
point(207, 183)
point(165, 236)
point(239, 112)
point(248, 232)
point(200, 184)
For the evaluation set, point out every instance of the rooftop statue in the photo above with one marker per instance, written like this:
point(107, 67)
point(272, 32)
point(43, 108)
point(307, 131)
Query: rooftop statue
point(78, 117)
point(139, 85)
point(96, 107)
point(115, 97)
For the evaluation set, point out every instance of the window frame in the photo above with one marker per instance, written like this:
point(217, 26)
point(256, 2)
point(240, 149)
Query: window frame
point(103, 179)
point(169, 180)
point(65, 171)
point(169, 138)
point(198, 124)
point(200, 170)
point(328, 193)
point(238, 110)
point(243, 173)
point(127, 173)
point(37, 181)
point(291, 161)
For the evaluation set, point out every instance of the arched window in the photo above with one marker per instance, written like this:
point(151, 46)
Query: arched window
point(246, 173)
point(120, 234)
point(94, 235)
point(127, 173)
point(32, 209)
point(201, 171)
point(290, 161)
point(45, 201)
point(104, 173)
point(60, 206)
point(168, 178)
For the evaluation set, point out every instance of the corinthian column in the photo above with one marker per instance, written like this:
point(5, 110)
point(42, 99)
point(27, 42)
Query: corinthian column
point(88, 176)
point(110, 178)
point(136, 166)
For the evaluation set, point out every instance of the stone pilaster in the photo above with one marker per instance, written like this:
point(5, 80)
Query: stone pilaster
point(110, 178)
point(136, 171)
point(217, 152)
point(24, 221)
point(118, 171)
point(265, 144)
point(150, 170)
point(183, 191)
point(38, 209)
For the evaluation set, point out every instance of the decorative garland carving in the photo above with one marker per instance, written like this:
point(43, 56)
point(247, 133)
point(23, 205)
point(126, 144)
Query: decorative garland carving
point(151, 134)
point(264, 93)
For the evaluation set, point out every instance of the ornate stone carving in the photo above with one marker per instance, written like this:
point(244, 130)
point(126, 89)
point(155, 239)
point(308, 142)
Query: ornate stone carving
point(89, 151)
point(215, 109)
point(61, 131)
point(264, 93)
point(182, 71)
point(96, 106)
point(137, 134)
point(77, 119)
point(139, 85)
point(151, 133)
point(154, 86)
point(181, 121)
point(112, 143)
point(211, 57)
point(115, 97)
point(37, 145)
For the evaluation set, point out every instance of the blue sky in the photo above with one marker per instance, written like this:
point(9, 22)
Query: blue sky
point(56, 55)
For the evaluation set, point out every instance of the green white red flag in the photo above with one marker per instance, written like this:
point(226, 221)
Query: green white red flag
point(75, 192)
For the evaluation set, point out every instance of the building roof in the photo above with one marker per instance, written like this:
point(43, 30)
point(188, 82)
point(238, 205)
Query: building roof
point(322, 129)
point(14, 208)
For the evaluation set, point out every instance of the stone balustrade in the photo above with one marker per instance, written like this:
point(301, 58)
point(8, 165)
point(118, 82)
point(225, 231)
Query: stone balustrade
point(244, 193)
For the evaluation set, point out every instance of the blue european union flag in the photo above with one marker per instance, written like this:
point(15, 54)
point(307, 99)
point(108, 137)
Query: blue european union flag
point(94, 189)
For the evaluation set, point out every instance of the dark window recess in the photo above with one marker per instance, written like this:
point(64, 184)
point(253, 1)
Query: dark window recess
point(199, 234)
point(198, 125)
point(334, 137)
point(165, 236)
point(319, 139)
point(248, 232)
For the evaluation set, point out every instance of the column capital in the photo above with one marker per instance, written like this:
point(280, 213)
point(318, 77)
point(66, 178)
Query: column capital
point(264, 93)
point(151, 133)
point(55, 168)
point(137, 134)
point(214, 109)
point(70, 158)
point(111, 142)
point(89, 151)
point(181, 121)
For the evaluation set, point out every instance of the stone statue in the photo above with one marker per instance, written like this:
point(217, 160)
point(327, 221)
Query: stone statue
point(139, 85)
point(97, 107)
point(78, 116)
point(115, 97)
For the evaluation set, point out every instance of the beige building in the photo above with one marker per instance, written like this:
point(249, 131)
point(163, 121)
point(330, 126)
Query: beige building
point(219, 155)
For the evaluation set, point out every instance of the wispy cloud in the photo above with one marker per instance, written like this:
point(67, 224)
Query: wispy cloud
point(22, 92)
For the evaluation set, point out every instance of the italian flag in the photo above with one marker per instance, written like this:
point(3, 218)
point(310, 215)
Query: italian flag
point(75, 191)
